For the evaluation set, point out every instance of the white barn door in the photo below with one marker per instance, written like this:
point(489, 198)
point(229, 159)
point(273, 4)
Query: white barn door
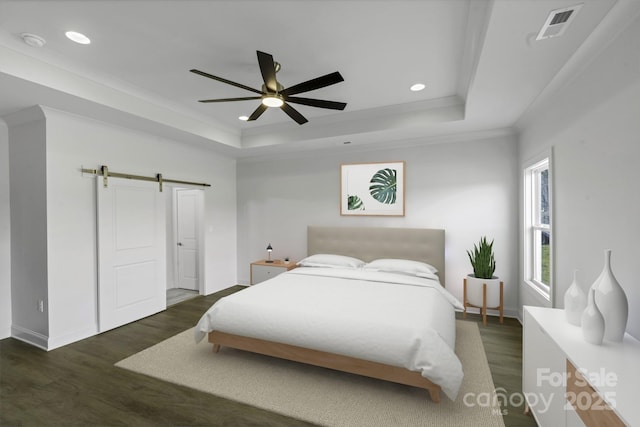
point(131, 251)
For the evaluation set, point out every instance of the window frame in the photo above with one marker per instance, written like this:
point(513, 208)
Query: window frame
point(534, 226)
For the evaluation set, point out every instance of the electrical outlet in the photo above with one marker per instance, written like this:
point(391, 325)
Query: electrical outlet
point(41, 306)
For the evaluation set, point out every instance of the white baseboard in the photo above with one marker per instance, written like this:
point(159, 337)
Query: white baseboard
point(44, 342)
point(30, 337)
point(507, 312)
point(5, 333)
point(71, 337)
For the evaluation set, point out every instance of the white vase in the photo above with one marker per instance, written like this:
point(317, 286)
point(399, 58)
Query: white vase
point(611, 301)
point(575, 301)
point(592, 321)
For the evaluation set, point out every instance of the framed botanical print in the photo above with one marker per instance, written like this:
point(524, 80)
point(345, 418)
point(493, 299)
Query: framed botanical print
point(374, 189)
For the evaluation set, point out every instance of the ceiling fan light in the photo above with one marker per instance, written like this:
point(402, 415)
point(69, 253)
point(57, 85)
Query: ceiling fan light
point(272, 101)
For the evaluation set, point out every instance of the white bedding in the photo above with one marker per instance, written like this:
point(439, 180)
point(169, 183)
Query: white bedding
point(389, 318)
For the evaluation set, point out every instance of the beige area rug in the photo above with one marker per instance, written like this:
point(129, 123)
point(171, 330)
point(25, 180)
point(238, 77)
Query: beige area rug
point(323, 396)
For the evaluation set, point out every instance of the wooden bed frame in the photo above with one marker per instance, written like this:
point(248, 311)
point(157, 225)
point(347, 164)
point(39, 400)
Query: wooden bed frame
point(366, 243)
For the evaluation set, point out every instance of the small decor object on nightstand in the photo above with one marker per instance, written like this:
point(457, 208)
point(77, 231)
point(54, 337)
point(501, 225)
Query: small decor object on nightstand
point(482, 289)
point(269, 250)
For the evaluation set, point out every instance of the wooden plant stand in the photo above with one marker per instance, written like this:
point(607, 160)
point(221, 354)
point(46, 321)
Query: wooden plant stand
point(484, 308)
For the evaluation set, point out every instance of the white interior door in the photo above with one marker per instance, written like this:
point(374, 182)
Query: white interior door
point(187, 238)
point(131, 251)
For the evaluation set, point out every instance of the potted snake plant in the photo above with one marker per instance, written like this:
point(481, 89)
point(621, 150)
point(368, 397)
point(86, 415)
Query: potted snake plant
point(484, 265)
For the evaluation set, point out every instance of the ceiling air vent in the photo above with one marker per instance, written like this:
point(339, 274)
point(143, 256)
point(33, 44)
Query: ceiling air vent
point(557, 22)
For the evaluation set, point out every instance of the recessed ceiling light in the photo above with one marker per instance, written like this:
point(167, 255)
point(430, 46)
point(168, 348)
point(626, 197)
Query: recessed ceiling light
point(33, 40)
point(245, 118)
point(77, 37)
point(417, 87)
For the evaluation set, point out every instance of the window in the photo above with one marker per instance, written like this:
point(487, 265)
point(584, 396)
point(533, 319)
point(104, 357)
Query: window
point(537, 231)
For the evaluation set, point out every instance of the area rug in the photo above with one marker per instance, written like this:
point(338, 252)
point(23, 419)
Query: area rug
point(323, 396)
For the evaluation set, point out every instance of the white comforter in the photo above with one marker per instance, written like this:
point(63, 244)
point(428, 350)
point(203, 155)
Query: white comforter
point(388, 318)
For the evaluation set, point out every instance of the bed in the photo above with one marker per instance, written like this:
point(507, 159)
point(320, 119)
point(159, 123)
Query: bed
point(368, 301)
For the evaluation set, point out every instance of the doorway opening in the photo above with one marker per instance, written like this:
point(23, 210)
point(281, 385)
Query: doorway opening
point(185, 246)
point(176, 295)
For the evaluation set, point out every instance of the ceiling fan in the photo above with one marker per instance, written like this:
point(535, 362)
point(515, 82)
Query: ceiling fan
point(273, 94)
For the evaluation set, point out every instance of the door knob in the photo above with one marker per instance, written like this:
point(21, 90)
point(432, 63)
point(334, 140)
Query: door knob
point(179, 244)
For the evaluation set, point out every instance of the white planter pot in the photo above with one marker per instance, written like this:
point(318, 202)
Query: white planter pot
point(474, 291)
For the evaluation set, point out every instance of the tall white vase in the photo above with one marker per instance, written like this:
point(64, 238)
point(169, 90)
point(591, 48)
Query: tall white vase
point(612, 301)
point(575, 301)
point(592, 321)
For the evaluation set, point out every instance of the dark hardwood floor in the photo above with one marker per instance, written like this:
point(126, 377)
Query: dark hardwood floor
point(503, 347)
point(78, 384)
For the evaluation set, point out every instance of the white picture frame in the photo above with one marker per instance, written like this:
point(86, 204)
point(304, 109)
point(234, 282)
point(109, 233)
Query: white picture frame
point(372, 189)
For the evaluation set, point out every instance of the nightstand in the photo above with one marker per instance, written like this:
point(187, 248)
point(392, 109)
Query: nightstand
point(262, 270)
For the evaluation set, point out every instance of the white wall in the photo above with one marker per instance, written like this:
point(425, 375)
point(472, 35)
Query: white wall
point(73, 142)
point(593, 125)
point(5, 235)
point(468, 188)
point(27, 172)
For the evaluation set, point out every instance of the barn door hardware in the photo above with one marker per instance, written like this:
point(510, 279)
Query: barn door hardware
point(105, 173)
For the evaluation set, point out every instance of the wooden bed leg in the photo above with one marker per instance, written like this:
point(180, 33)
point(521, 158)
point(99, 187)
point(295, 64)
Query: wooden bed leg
point(501, 302)
point(435, 395)
point(484, 304)
point(216, 348)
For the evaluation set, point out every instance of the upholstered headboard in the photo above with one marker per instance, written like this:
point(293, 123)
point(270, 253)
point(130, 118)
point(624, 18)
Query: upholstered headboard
point(369, 243)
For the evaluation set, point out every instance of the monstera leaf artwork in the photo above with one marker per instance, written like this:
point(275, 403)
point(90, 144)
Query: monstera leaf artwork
point(372, 189)
point(383, 186)
point(355, 203)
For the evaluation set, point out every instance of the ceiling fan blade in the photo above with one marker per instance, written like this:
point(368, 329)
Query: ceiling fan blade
point(258, 112)
point(313, 84)
point(268, 70)
point(229, 82)
point(294, 114)
point(230, 99)
point(320, 103)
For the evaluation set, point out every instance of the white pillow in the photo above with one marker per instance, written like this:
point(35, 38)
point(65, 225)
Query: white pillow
point(403, 266)
point(432, 276)
point(331, 261)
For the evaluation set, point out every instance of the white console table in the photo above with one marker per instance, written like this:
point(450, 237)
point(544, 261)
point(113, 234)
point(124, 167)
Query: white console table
point(606, 393)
